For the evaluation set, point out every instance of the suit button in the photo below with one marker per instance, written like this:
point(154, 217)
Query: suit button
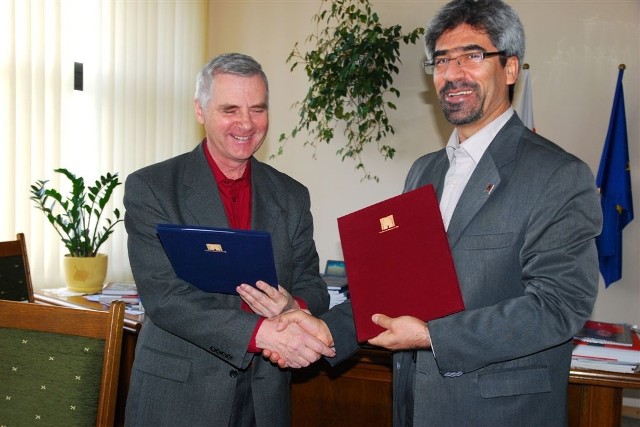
point(233, 373)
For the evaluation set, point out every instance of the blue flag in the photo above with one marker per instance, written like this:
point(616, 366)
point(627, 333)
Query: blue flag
point(614, 181)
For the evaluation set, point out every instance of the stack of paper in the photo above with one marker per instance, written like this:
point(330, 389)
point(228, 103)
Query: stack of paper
point(335, 276)
point(607, 347)
point(338, 289)
point(120, 291)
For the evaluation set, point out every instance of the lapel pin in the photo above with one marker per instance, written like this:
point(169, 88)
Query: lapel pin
point(489, 188)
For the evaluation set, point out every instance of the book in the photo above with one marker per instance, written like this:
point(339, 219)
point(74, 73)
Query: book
point(333, 290)
point(398, 261)
point(599, 365)
point(120, 288)
point(605, 333)
point(108, 299)
point(608, 352)
point(219, 259)
point(335, 283)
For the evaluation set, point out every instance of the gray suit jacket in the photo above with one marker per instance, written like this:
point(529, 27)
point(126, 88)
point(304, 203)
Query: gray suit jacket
point(193, 345)
point(525, 255)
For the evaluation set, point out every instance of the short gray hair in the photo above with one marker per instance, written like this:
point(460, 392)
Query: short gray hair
point(228, 63)
point(496, 18)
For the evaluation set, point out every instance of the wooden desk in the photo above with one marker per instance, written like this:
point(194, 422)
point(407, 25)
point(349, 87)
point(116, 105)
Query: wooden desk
point(358, 392)
point(132, 325)
point(595, 397)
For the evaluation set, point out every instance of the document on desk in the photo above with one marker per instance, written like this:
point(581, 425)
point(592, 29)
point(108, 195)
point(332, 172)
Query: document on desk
point(219, 259)
point(398, 261)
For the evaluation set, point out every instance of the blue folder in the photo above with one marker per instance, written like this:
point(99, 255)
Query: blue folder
point(219, 259)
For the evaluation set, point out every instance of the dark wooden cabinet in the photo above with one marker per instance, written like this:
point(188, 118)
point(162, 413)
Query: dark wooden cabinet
point(356, 392)
point(595, 397)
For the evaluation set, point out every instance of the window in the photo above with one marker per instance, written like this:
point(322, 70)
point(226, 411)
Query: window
point(140, 60)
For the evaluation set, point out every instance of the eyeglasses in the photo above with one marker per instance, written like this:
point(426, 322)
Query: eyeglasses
point(466, 61)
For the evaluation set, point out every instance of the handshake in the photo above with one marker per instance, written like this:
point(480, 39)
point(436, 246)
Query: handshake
point(293, 338)
point(289, 336)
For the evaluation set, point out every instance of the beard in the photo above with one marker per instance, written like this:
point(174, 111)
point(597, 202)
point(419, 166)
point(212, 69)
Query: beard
point(461, 113)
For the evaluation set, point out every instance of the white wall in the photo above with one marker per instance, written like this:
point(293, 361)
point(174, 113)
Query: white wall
point(573, 48)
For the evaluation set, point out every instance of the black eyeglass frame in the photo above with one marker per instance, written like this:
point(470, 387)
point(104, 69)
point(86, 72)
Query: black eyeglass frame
point(429, 66)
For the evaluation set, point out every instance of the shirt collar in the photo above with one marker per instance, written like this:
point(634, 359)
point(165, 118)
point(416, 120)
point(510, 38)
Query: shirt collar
point(477, 144)
point(217, 173)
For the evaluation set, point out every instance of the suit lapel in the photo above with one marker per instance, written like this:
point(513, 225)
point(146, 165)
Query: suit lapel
point(202, 199)
point(266, 210)
point(433, 175)
point(203, 202)
point(487, 177)
point(440, 171)
point(484, 181)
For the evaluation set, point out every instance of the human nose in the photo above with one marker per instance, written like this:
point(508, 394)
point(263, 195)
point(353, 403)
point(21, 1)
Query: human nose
point(453, 70)
point(244, 120)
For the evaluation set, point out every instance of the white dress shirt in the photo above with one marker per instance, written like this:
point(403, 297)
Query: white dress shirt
point(463, 159)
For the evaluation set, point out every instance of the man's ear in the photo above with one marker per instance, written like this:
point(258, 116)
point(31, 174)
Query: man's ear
point(198, 110)
point(512, 69)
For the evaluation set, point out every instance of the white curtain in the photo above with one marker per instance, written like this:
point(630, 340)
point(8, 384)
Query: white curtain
point(140, 59)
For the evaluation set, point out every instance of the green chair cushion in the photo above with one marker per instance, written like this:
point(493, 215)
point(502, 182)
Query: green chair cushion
point(49, 379)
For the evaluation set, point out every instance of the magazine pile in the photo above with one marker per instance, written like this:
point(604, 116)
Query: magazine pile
point(613, 347)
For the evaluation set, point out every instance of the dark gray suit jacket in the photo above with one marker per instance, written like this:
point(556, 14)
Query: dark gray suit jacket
point(193, 345)
point(528, 269)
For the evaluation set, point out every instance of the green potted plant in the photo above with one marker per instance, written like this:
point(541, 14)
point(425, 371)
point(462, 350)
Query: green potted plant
point(351, 74)
point(78, 219)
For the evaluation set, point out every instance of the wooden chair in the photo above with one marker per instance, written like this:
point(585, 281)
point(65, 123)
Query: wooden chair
point(15, 276)
point(58, 365)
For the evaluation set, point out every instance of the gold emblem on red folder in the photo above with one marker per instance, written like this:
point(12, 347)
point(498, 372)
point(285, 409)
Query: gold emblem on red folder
point(387, 223)
point(214, 247)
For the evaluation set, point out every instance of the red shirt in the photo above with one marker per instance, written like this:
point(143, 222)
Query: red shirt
point(235, 194)
point(236, 198)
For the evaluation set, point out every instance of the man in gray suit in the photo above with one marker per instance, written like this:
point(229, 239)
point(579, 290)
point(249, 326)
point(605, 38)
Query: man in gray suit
point(521, 215)
point(198, 354)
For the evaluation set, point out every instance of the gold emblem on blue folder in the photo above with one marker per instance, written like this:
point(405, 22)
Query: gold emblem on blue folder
point(214, 247)
point(387, 223)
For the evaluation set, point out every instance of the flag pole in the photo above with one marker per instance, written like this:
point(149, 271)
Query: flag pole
point(525, 109)
point(622, 67)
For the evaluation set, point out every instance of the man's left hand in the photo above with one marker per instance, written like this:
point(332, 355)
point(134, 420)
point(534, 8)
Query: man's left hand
point(266, 300)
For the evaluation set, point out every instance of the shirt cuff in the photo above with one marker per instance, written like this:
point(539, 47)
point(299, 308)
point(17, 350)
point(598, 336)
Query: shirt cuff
point(253, 348)
point(303, 305)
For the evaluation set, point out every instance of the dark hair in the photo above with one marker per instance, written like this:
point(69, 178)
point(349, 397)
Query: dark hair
point(496, 18)
point(228, 63)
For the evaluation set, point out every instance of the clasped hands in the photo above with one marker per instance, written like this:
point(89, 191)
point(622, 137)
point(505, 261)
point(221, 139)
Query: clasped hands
point(292, 337)
point(288, 344)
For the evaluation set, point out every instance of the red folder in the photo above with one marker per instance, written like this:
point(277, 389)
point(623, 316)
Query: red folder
point(398, 261)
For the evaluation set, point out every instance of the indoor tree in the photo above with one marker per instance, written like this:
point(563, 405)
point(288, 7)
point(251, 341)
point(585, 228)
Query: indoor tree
point(351, 71)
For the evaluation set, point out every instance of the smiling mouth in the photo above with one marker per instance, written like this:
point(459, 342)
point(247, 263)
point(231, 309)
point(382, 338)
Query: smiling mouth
point(459, 93)
point(241, 138)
